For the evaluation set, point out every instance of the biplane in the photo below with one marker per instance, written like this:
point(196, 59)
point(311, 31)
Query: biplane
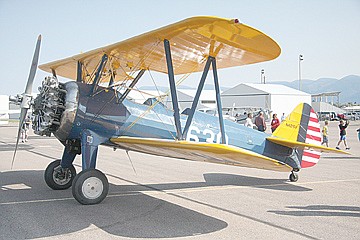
point(93, 109)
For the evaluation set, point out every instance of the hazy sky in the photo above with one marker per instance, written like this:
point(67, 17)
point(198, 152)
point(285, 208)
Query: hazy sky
point(325, 32)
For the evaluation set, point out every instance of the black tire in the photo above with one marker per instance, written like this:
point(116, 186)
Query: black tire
point(90, 187)
point(293, 177)
point(56, 181)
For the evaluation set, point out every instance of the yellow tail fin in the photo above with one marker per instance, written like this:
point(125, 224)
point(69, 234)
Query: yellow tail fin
point(302, 127)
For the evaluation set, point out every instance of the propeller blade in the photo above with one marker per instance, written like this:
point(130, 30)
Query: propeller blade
point(25, 103)
point(33, 68)
point(21, 122)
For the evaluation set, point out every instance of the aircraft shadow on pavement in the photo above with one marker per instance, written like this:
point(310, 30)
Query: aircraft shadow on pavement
point(133, 215)
point(321, 210)
point(217, 180)
point(125, 212)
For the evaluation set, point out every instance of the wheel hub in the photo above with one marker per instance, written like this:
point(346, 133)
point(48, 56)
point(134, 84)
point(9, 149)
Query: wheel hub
point(61, 176)
point(92, 188)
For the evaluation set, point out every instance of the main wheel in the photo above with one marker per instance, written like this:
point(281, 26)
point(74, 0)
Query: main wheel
point(293, 177)
point(90, 187)
point(57, 177)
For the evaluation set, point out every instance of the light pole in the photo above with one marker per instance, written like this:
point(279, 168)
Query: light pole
point(300, 59)
point(262, 77)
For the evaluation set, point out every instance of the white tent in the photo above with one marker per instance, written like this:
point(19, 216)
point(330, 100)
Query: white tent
point(277, 98)
point(186, 98)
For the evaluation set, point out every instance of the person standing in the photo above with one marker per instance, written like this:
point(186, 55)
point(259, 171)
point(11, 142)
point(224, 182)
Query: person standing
point(283, 117)
point(260, 122)
point(325, 133)
point(25, 129)
point(274, 122)
point(342, 128)
point(248, 122)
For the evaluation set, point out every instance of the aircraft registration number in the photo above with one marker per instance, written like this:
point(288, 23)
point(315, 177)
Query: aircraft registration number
point(194, 134)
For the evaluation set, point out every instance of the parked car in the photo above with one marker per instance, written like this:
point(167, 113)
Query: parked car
point(352, 116)
point(330, 116)
point(341, 116)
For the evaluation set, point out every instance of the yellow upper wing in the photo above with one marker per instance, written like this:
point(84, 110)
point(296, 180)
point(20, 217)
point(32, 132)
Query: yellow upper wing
point(192, 40)
point(206, 152)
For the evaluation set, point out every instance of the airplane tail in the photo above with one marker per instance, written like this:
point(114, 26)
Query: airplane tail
point(301, 130)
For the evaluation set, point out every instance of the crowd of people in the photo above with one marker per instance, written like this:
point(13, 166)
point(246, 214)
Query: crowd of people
point(259, 124)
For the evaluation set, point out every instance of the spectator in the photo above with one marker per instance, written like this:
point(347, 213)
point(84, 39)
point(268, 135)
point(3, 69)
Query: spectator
point(342, 128)
point(248, 122)
point(283, 117)
point(25, 129)
point(325, 133)
point(260, 122)
point(274, 122)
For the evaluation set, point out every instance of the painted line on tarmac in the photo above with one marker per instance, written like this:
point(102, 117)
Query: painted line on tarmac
point(62, 199)
point(36, 201)
point(328, 181)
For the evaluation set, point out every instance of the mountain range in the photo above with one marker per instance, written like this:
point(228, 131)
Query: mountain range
point(349, 87)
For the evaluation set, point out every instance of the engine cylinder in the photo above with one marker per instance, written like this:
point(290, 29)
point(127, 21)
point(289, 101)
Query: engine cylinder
point(55, 108)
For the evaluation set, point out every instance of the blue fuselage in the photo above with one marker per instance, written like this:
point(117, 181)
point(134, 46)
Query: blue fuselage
point(102, 114)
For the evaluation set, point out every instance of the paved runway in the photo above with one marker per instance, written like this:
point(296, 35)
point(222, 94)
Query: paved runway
point(170, 198)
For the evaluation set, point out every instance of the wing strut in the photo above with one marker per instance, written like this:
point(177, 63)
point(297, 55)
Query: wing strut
point(79, 71)
point(218, 101)
point(133, 83)
point(98, 73)
point(53, 73)
point(197, 96)
point(173, 89)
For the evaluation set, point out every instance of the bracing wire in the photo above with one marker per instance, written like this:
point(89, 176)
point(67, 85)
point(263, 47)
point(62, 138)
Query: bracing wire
point(185, 76)
point(127, 76)
point(132, 165)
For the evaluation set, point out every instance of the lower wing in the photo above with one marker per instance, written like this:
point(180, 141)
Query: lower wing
point(206, 152)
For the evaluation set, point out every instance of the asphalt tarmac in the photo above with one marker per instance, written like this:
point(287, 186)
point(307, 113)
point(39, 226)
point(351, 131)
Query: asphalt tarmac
point(170, 198)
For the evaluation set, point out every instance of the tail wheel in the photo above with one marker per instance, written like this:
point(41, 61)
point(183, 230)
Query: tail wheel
point(90, 187)
point(59, 178)
point(293, 177)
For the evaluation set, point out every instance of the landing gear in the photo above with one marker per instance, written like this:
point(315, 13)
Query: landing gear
point(90, 187)
point(293, 176)
point(59, 178)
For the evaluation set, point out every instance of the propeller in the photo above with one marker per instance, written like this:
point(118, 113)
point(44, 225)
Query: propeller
point(26, 96)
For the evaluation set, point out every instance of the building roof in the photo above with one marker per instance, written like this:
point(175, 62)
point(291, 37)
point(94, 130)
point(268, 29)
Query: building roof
point(352, 108)
point(257, 88)
point(336, 94)
point(205, 94)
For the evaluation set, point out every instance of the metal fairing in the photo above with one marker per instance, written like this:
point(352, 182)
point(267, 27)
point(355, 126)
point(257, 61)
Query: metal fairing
point(69, 114)
point(99, 113)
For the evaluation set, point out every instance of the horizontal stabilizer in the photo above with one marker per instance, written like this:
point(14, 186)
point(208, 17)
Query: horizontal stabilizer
point(201, 151)
point(301, 145)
